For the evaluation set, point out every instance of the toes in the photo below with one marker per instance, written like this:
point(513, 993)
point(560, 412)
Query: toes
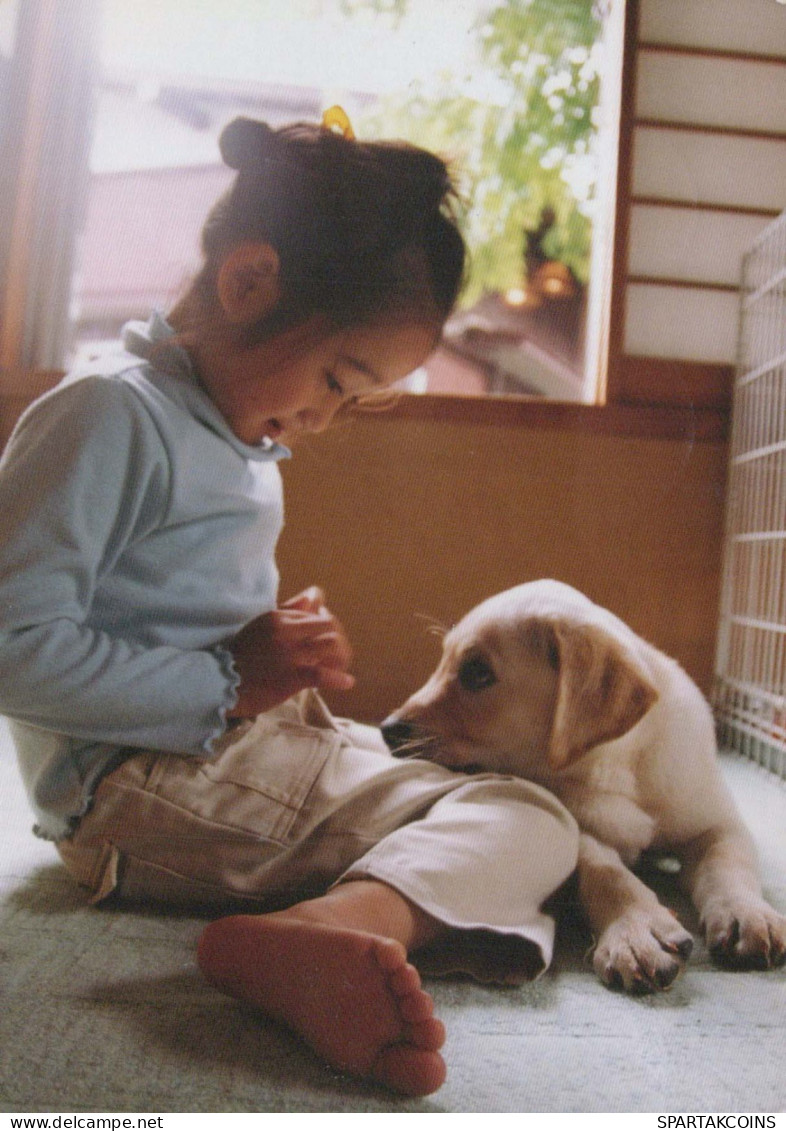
point(737, 954)
point(747, 938)
point(682, 947)
point(725, 947)
point(416, 1007)
point(641, 955)
point(410, 1071)
point(657, 976)
point(685, 948)
point(390, 955)
point(428, 1035)
point(404, 981)
point(639, 977)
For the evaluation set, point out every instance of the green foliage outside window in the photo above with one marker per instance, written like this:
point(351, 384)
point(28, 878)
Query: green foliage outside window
point(528, 143)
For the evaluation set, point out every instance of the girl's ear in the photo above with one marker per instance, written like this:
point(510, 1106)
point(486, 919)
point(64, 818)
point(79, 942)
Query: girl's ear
point(248, 282)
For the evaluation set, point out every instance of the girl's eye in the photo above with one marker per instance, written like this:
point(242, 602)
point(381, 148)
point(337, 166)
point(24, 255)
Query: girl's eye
point(334, 384)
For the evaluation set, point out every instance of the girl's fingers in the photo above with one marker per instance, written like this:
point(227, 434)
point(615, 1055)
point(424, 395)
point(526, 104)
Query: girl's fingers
point(311, 600)
point(297, 623)
point(328, 650)
point(326, 679)
point(331, 679)
point(310, 631)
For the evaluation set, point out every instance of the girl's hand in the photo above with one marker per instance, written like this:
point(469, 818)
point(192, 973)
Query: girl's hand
point(299, 645)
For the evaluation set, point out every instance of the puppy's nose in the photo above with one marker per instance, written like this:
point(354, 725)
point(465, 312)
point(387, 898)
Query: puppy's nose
point(396, 732)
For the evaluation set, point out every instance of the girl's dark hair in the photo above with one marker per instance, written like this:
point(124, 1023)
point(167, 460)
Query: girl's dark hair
point(361, 228)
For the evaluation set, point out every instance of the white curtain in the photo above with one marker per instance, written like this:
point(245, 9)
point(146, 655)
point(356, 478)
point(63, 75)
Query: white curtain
point(45, 137)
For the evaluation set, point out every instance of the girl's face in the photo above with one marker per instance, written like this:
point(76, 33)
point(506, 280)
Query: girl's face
point(298, 381)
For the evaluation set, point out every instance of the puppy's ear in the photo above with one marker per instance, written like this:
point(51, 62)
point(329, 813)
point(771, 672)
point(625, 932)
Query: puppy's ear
point(602, 692)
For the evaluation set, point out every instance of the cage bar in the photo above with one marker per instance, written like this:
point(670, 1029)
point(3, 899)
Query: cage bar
point(749, 695)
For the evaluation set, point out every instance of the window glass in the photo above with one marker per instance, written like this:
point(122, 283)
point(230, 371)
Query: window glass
point(509, 89)
point(8, 13)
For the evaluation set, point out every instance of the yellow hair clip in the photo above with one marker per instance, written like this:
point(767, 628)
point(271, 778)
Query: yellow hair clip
point(336, 119)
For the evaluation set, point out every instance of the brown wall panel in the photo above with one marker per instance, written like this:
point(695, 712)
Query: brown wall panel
point(403, 521)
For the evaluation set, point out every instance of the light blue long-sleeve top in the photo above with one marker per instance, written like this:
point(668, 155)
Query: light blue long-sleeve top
point(137, 534)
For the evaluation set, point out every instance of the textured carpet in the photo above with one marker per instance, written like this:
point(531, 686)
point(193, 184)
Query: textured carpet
point(106, 1011)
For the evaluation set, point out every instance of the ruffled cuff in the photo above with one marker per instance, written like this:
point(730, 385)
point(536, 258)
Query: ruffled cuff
point(226, 663)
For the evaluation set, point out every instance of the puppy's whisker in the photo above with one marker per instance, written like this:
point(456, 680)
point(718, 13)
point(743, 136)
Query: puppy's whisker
point(416, 747)
point(433, 626)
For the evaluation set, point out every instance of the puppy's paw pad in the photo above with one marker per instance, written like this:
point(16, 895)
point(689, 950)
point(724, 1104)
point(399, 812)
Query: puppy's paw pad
point(643, 952)
point(748, 935)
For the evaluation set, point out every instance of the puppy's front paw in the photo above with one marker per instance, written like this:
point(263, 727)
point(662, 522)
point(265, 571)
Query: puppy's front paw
point(643, 951)
point(745, 934)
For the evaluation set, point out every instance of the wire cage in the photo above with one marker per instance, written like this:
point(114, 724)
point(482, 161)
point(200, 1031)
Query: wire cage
point(750, 672)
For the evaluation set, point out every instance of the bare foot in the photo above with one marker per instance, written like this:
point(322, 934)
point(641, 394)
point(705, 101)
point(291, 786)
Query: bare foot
point(352, 996)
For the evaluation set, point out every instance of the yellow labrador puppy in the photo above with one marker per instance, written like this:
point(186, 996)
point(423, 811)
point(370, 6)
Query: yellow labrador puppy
point(541, 683)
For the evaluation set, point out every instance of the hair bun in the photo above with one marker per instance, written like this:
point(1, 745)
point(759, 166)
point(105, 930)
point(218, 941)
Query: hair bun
point(244, 142)
point(424, 180)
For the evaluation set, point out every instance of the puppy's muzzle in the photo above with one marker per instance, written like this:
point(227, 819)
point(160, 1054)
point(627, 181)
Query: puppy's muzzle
point(397, 733)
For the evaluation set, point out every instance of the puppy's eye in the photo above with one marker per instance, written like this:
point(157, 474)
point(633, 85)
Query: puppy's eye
point(476, 674)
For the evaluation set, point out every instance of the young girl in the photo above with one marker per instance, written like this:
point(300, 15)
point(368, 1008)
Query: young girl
point(165, 707)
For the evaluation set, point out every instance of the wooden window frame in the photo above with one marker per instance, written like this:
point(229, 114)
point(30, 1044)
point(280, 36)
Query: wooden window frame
point(634, 379)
